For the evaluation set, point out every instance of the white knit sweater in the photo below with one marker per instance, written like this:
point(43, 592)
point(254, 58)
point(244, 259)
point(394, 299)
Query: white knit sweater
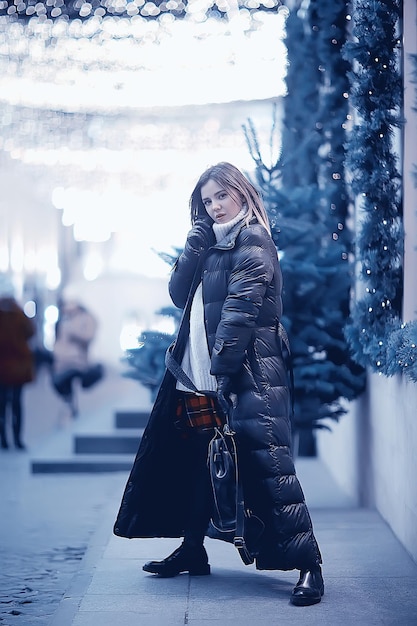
point(196, 360)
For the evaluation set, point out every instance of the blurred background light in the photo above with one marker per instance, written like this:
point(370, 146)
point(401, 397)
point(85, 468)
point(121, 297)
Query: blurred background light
point(30, 308)
point(110, 110)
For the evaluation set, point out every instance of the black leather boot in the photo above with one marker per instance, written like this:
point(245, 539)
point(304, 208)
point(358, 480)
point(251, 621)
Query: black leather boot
point(309, 589)
point(193, 560)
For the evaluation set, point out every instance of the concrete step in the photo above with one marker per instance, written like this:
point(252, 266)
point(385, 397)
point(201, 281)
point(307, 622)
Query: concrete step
point(88, 445)
point(83, 463)
point(131, 419)
point(107, 443)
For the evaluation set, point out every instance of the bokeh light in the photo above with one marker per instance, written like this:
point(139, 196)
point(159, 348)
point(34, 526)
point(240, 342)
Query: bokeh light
point(111, 110)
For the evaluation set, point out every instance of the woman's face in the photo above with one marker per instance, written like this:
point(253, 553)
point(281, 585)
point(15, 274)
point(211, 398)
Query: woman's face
point(218, 202)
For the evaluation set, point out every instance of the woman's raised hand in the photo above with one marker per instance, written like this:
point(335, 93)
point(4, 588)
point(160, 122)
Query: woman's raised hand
point(200, 236)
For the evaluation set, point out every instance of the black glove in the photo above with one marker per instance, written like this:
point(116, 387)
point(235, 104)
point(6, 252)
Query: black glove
point(200, 236)
point(223, 393)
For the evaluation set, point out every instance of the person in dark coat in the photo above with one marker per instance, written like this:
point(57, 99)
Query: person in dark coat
point(16, 362)
point(228, 283)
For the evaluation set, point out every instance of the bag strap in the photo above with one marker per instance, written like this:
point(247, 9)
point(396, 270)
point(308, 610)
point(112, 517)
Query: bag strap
point(284, 338)
point(176, 370)
point(170, 362)
point(239, 539)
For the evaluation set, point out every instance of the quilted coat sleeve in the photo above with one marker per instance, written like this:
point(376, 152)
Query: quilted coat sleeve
point(252, 271)
point(183, 272)
point(182, 277)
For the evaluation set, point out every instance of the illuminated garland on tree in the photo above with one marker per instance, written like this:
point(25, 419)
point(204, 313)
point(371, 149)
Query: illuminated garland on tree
point(375, 332)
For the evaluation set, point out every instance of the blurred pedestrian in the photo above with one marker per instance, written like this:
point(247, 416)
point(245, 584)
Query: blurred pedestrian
point(75, 330)
point(16, 362)
point(228, 283)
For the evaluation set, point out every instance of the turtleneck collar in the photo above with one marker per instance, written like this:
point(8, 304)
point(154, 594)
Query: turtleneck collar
point(221, 230)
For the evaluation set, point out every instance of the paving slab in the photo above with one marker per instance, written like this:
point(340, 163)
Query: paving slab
point(93, 442)
point(370, 579)
point(48, 520)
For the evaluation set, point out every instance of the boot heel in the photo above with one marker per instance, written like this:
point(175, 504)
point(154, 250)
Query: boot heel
point(201, 570)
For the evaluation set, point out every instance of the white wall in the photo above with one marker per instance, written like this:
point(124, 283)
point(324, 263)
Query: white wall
point(338, 449)
point(372, 454)
point(393, 405)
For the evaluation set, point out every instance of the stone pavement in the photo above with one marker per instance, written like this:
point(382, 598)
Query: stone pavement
point(370, 580)
point(47, 520)
point(369, 577)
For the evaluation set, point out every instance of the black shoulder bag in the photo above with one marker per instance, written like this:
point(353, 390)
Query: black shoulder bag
point(230, 520)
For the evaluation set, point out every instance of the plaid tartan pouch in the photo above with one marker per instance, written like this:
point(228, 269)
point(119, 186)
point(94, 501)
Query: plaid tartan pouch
point(197, 412)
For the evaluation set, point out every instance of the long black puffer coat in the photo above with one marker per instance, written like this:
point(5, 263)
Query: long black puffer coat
point(241, 282)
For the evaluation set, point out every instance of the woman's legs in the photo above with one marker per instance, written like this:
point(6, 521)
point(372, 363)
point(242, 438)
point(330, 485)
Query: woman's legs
point(3, 407)
point(16, 403)
point(63, 383)
point(191, 555)
point(201, 496)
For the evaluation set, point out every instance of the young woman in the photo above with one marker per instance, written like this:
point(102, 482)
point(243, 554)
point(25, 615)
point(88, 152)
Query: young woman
point(228, 282)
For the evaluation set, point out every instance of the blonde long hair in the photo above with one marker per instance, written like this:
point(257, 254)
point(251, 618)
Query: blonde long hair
point(237, 185)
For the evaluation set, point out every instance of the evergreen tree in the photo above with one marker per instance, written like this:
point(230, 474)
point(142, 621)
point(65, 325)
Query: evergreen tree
point(305, 195)
point(301, 134)
point(147, 362)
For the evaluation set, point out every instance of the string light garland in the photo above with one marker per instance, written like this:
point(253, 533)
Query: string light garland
point(149, 9)
point(375, 332)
